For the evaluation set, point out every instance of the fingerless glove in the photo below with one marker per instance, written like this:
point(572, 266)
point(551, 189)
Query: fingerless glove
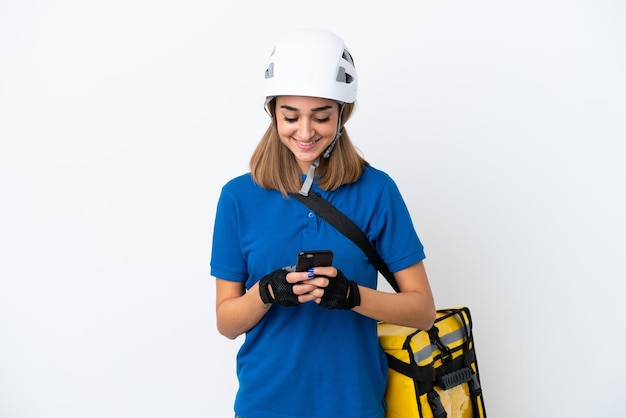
point(341, 293)
point(283, 291)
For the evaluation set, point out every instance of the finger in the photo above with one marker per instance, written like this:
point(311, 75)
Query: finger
point(297, 277)
point(310, 284)
point(317, 292)
point(307, 297)
point(319, 281)
point(329, 271)
point(304, 288)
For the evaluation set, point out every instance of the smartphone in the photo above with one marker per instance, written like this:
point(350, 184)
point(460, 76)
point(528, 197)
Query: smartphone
point(314, 258)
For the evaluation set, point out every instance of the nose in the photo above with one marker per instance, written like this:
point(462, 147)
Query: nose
point(306, 130)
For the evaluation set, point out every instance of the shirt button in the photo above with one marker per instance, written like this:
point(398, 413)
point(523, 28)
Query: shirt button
point(311, 214)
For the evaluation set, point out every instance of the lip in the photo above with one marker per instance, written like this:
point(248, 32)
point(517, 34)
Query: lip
point(306, 145)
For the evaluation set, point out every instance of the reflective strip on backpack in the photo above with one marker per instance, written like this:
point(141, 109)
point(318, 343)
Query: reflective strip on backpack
point(448, 339)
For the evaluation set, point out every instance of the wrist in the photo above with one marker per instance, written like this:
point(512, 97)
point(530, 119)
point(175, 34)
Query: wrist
point(354, 294)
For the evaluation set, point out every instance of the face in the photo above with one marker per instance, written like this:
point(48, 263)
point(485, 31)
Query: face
point(306, 125)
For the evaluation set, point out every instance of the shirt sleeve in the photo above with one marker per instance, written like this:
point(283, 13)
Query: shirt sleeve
point(398, 243)
point(227, 260)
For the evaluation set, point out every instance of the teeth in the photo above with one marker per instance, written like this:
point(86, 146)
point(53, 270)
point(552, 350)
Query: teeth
point(306, 143)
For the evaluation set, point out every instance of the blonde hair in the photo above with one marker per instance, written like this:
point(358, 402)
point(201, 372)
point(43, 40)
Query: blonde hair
point(273, 166)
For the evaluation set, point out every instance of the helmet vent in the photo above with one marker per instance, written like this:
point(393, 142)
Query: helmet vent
point(269, 73)
point(346, 56)
point(344, 77)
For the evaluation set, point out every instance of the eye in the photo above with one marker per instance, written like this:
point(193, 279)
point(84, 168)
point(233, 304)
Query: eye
point(290, 120)
point(322, 120)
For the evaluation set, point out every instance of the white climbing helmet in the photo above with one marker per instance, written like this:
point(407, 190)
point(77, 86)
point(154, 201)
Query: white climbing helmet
point(311, 62)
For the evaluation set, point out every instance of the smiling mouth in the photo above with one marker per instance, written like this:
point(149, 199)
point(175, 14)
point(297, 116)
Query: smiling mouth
point(308, 143)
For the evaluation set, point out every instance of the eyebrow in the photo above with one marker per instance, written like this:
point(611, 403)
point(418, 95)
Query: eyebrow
point(317, 109)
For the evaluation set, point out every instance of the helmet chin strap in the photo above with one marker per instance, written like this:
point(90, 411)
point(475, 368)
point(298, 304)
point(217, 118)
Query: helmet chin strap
point(310, 176)
point(326, 153)
point(308, 181)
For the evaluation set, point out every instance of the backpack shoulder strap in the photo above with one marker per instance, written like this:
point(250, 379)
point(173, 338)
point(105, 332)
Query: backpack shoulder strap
point(343, 224)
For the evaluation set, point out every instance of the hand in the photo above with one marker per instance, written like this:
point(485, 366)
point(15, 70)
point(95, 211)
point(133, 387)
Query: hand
point(274, 288)
point(330, 288)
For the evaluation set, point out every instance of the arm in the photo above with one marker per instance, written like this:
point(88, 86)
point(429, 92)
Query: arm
point(237, 310)
point(413, 306)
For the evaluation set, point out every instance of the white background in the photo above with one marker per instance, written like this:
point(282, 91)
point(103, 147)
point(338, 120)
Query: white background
point(502, 122)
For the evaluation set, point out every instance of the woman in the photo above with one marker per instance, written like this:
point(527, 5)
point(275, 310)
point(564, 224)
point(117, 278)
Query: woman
point(311, 347)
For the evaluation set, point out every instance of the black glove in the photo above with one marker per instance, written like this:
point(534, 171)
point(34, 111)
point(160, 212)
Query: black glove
point(283, 291)
point(341, 293)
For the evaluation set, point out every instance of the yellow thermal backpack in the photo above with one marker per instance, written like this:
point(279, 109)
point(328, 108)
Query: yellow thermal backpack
point(434, 373)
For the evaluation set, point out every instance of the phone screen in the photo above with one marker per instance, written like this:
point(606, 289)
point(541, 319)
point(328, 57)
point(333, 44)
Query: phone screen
point(314, 258)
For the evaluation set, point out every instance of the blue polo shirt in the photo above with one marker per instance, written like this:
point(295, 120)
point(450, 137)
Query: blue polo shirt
point(309, 361)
